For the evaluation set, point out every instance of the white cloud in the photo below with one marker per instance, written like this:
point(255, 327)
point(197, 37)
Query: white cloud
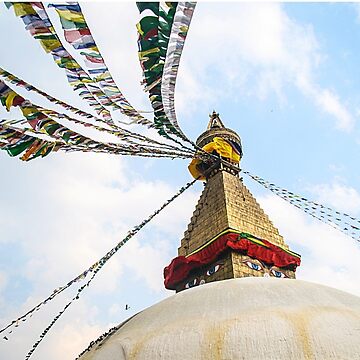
point(3, 283)
point(118, 44)
point(75, 208)
point(327, 101)
point(328, 256)
point(254, 49)
point(330, 102)
point(340, 197)
point(356, 7)
point(66, 339)
point(3, 280)
point(83, 213)
point(147, 262)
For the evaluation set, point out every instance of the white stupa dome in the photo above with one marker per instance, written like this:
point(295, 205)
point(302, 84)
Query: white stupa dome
point(246, 318)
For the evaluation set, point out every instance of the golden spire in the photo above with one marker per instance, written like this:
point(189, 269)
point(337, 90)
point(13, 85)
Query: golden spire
point(215, 121)
point(228, 234)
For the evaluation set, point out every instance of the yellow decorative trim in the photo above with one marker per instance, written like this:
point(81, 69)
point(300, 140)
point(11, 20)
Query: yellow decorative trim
point(253, 239)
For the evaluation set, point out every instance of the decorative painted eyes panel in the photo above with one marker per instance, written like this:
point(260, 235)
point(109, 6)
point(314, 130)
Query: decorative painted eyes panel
point(213, 269)
point(254, 266)
point(257, 265)
point(201, 279)
point(277, 273)
point(192, 283)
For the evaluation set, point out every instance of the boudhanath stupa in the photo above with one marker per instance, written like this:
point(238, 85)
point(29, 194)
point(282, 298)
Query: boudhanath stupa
point(236, 292)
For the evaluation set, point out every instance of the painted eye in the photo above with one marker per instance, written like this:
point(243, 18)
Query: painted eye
point(213, 270)
point(253, 266)
point(277, 274)
point(192, 283)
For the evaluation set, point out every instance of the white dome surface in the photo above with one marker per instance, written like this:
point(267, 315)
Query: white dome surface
point(247, 318)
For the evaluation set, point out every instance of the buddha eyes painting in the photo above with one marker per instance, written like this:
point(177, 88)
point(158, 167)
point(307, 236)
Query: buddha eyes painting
point(259, 268)
point(248, 266)
point(204, 277)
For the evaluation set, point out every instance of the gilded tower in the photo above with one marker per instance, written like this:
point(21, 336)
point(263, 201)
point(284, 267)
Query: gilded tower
point(229, 235)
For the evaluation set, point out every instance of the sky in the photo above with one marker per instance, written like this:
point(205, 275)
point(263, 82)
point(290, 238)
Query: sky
point(284, 76)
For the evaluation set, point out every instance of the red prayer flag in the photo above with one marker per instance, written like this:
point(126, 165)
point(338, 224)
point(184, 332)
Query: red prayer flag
point(74, 35)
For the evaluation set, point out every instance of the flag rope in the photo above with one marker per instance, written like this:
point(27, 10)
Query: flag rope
point(94, 269)
point(340, 221)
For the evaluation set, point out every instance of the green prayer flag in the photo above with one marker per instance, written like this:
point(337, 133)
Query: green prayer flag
point(148, 23)
point(19, 147)
point(50, 129)
point(71, 25)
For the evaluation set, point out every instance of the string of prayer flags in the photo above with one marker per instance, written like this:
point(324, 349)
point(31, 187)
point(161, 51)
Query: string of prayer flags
point(37, 22)
point(39, 120)
point(149, 154)
point(36, 116)
point(93, 269)
point(17, 141)
point(21, 83)
point(343, 222)
point(179, 30)
point(117, 131)
point(124, 135)
point(78, 34)
point(154, 33)
point(101, 338)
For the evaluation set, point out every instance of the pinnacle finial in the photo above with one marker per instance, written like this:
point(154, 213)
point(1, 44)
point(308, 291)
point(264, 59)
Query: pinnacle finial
point(214, 115)
point(215, 121)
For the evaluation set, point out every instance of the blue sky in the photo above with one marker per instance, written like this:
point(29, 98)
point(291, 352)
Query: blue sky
point(284, 76)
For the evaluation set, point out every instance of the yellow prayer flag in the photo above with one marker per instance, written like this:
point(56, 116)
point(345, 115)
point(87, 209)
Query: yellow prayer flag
point(103, 76)
point(10, 99)
point(22, 9)
point(93, 48)
point(184, 28)
point(71, 16)
point(50, 44)
point(111, 88)
point(28, 110)
point(72, 65)
point(142, 54)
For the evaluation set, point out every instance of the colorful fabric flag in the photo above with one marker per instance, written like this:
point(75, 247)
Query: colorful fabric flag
point(19, 82)
point(42, 121)
point(38, 23)
point(179, 30)
point(156, 33)
point(78, 34)
point(16, 141)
